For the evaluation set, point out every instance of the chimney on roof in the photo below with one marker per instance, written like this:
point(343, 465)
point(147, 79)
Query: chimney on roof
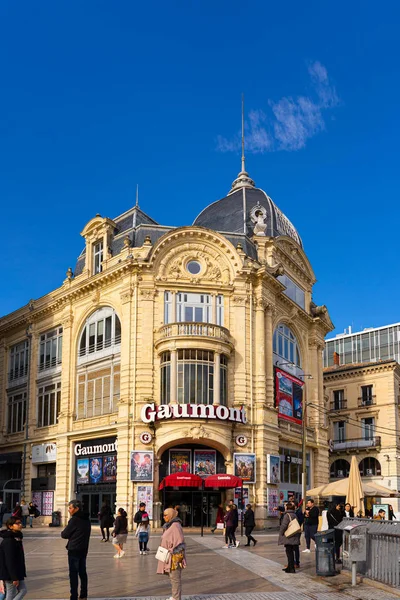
point(336, 359)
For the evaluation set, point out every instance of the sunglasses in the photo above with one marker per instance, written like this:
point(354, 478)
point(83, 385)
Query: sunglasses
point(19, 523)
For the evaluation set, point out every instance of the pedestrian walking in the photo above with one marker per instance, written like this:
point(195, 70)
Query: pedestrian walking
point(77, 532)
point(249, 523)
point(143, 533)
point(219, 519)
point(335, 516)
point(12, 559)
point(120, 533)
point(24, 513)
point(173, 540)
point(311, 517)
point(289, 542)
point(235, 523)
point(106, 521)
point(230, 527)
point(3, 510)
point(138, 516)
point(32, 510)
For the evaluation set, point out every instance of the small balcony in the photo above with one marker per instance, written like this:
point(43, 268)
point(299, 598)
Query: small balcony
point(17, 376)
point(208, 330)
point(356, 443)
point(338, 405)
point(367, 401)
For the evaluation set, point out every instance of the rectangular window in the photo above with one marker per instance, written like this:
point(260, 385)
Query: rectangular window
point(194, 308)
point(16, 412)
point(49, 400)
point(97, 257)
point(339, 431)
point(50, 347)
point(18, 363)
point(98, 392)
point(368, 428)
point(366, 395)
point(293, 291)
point(338, 399)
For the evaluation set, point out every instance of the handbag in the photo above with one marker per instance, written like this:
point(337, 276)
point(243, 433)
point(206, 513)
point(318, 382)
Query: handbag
point(162, 554)
point(293, 527)
point(220, 526)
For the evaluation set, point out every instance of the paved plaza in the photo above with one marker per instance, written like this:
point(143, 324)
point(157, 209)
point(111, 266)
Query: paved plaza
point(213, 573)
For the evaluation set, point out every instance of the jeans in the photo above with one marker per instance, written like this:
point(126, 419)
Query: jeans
point(77, 567)
point(248, 531)
point(297, 555)
point(309, 533)
point(31, 517)
point(230, 534)
point(143, 539)
point(14, 593)
point(24, 518)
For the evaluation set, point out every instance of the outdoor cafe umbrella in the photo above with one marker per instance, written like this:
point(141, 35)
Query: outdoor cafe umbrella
point(355, 492)
point(341, 487)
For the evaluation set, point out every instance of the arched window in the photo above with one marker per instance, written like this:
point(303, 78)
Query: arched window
point(102, 332)
point(340, 468)
point(286, 346)
point(370, 467)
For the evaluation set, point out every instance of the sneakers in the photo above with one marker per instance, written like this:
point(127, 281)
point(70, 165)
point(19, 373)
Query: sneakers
point(116, 555)
point(307, 550)
point(122, 553)
point(141, 552)
point(237, 544)
point(226, 546)
point(103, 540)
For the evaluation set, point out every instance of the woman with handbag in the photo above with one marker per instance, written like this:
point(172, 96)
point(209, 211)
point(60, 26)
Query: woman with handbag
point(289, 535)
point(171, 554)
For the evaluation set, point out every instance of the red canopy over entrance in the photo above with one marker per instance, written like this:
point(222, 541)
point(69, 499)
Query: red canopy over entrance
point(223, 481)
point(181, 480)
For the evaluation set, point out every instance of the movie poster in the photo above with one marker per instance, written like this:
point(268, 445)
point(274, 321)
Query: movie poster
point(245, 466)
point(273, 502)
point(110, 468)
point(82, 470)
point(273, 469)
point(142, 465)
point(47, 503)
point(179, 461)
point(145, 494)
point(95, 469)
point(289, 396)
point(205, 462)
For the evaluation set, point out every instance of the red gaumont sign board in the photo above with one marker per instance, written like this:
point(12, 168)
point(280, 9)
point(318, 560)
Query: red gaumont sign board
point(151, 412)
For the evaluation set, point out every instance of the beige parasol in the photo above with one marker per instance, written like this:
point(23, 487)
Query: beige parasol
point(355, 492)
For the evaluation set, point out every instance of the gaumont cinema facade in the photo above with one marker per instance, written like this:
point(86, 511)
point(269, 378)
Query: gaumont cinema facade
point(188, 350)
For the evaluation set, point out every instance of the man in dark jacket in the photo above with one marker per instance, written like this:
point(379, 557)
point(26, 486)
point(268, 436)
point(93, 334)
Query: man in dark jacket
point(138, 516)
point(249, 524)
point(77, 532)
point(311, 517)
point(12, 559)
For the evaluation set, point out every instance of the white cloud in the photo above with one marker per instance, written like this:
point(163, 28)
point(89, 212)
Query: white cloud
point(291, 121)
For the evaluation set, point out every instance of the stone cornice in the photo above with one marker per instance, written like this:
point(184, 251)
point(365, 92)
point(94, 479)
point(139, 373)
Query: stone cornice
point(350, 371)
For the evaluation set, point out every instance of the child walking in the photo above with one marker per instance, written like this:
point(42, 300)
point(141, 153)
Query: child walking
point(143, 533)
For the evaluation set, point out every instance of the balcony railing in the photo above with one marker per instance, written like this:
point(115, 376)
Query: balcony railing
point(100, 345)
point(338, 405)
point(17, 373)
point(194, 330)
point(367, 401)
point(371, 442)
point(49, 364)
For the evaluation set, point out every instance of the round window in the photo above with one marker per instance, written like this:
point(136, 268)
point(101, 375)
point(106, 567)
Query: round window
point(193, 267)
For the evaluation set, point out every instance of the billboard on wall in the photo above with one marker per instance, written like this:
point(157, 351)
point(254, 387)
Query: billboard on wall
point(289, 396)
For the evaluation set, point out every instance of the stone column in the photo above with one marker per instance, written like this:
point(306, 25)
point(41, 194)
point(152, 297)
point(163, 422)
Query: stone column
point(217, 377)
point(269, 357)
point(239, 316)
point(174, 377)
point(259, 351)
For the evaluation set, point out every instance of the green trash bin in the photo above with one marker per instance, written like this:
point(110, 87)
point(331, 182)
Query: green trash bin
point(325, 553)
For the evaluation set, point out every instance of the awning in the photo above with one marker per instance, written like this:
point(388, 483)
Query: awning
point(223, 481)
point(181, 480)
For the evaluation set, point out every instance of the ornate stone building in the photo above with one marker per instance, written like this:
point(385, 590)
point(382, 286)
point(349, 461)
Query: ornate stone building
point(169, 350)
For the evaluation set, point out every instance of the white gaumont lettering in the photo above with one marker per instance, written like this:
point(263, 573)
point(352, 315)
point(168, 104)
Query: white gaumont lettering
point(97, 449)
point(151, 412)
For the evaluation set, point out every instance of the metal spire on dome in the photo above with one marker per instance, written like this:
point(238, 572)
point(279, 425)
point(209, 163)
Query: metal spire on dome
point(243, 180)
point(137, 196)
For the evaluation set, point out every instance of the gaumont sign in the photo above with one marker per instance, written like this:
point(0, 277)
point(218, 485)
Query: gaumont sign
point(96, 447)
point(151, 412)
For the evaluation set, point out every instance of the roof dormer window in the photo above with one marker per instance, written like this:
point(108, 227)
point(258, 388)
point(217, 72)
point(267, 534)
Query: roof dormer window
point(97, 257)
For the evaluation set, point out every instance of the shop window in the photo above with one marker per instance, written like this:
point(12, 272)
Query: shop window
point(370, 467)
point(50, 349)
point(101, 334)
point(48, 470)
point(293, 291)
point(339, 469)
point(49, 400)
point(16, 412)
point(19, 358)
point(98, 392)
point(286, 346)
point(97, 257)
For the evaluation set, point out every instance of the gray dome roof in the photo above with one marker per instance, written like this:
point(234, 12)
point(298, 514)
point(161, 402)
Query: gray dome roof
point(227, 214)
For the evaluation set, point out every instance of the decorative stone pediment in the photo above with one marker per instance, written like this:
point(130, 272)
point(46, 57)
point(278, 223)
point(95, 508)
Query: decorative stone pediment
point(287, 249)
point(97, 228)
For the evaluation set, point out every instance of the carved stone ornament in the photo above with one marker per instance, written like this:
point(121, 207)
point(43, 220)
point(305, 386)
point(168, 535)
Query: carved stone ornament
point(239, 300)
point(96, 297)
point(148, 294)
point(258, 215)
point(214, 265)
point(197, 432)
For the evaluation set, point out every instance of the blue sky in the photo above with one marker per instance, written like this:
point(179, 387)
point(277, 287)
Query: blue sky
point(98, 96)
